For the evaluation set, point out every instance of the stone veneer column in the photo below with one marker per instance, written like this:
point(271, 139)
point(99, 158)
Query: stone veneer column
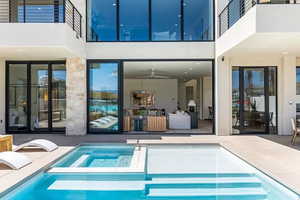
point(223, 96)
point(287, 98)
point(76, 96)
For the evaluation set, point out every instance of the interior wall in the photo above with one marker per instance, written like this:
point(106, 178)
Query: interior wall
point(164, 90)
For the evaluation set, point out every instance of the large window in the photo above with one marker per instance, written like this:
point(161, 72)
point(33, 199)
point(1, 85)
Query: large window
point(102, 20)
point(103, 97)
point(198, 20)
point(36, 96)
point(166, 20)
point(149, 20)
point(134, 23)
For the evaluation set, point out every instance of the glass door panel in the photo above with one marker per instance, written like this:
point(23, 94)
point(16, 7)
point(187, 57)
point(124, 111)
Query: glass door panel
point(39, 97)
point(103, 97)
point(254, 118)
point(17, 99)
point(58, 95)
point(254, 100)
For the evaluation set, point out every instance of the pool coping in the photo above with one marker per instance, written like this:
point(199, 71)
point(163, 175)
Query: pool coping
point(137, 165)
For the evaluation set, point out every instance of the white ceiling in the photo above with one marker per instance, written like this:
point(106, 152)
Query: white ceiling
point(265, 44)
point(171, 69)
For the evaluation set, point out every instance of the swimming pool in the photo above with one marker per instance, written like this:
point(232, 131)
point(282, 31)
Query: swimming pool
point(185, 172)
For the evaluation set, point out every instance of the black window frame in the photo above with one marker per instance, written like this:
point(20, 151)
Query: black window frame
point(28, 130)
point(150, 25)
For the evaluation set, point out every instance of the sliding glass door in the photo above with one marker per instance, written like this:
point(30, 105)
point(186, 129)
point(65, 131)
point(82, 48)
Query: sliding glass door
point(36, 96)
point(103, 97)
point(254, 99)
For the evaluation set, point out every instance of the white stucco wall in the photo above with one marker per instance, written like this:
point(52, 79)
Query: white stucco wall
point(55, 40)
point(286, 89)
point(150, 50)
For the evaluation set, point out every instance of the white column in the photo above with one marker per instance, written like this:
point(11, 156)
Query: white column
point(76, 97)
point(2, 96)
point(223, 102)
point(287, 94)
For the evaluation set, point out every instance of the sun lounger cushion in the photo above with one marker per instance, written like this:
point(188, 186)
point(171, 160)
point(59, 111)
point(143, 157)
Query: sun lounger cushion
point(41, 143)
point(14, 160)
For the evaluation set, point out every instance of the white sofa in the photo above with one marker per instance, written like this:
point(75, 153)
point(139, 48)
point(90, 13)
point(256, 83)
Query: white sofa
point(179, 120)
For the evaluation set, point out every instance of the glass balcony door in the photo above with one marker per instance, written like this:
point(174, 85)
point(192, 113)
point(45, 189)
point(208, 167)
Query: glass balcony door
point(254, 100)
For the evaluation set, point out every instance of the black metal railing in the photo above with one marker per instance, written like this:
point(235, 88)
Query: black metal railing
point(41, 11)
point(235, 9)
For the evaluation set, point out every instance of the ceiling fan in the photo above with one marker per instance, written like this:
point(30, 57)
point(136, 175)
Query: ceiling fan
point(155, 74)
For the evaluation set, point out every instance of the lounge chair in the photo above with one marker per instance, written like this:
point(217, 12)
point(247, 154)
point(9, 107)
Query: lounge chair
point(14, 160)
point(295, 130)
point(40, 143)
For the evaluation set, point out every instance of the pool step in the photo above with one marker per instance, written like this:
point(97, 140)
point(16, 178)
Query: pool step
point(80, 160)
point(222, 182)
point(162, 183)
point(207, 193)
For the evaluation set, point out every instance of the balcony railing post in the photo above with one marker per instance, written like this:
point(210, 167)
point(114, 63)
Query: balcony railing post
point(56, 10)
point(80, 26)
point(228, 26)
point(73, 17)
point(9, 11)
point(64, 11)
point(220, 31)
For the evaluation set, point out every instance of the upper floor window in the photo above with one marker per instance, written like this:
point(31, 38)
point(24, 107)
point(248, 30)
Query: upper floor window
point(36, 11)
point(149, 20)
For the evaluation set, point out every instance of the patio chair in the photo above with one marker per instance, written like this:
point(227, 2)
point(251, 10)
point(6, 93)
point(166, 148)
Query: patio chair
point(295, 130)
point(40, 143)
point(14, 160)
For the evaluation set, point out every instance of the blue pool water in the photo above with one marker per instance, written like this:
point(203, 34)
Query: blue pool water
point(214, 175)
point(98, 156)
point(104, 108)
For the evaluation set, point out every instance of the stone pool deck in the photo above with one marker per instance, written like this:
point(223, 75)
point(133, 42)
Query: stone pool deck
point(271, 154)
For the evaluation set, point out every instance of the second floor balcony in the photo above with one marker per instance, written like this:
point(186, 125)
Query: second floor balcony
point(258, 27)
point(39, 29)
point(41, 11)
point(236, 9)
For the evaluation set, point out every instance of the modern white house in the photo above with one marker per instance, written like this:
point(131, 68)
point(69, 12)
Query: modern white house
point(80, 67)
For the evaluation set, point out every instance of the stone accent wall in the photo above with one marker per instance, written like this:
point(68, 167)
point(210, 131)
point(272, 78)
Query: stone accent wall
point(76, 96)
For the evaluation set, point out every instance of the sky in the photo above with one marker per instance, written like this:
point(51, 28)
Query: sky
point(104, 77)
